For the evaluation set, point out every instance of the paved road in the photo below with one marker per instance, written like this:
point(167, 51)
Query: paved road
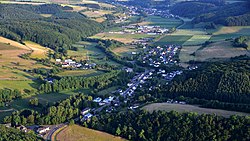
point(53, 129)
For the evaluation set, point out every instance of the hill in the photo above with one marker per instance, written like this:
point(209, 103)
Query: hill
point(78, 133)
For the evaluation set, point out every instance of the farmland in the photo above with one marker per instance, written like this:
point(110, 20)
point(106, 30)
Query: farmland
point(190, 108)
point(38, 51)
point(125, 50)
point(173, 39)
point(162, 22)
point(78, 133)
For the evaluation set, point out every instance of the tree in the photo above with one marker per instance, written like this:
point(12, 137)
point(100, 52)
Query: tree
point(118, 131)
point(34, 102)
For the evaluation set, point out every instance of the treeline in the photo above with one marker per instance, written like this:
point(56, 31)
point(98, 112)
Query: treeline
point(235, 14)
point(95, 82)
point(163, 126)
point(57, 32)
point(11, 134)
point(7, 95)
point(61, 112)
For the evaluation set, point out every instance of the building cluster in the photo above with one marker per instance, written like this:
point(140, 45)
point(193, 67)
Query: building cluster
point(161, 55)
point(69, 63)
point(145, 29)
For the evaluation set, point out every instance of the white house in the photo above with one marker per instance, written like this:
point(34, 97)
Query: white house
point(85, 111)
point(98, 99)
point(43, 129)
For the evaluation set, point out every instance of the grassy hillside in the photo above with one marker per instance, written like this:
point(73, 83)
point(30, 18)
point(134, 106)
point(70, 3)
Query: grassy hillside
point(78, 133)
point(190, 108)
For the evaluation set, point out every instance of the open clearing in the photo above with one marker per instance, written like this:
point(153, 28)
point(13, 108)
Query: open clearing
point(125, 38)
point(162, 22)
point(197, 40)
point(190, 108)
point(86, 73)
point(38, 51)
point(78, 133)
point(173, 39)
point(219, 50)
point(125, 50)
point(87, 50)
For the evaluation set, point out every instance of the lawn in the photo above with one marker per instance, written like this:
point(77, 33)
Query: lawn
point(185, 54)
point(190, 108)
point(162, 22)
point(173, 39)
point(78, 133)
point(86, 73)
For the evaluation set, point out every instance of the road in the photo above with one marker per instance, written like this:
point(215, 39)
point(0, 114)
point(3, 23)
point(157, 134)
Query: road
point(53, 129)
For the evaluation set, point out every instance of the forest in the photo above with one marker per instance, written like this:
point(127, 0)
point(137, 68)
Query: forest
point(172, 126)
point(24, 22)
point(11, 134)
point(235, 14)
point(215, 85)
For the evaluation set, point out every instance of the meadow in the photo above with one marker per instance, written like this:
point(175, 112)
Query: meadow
point(88, 51)
point(190, 108)
point(125, 51)
point(38, 51)
point(78, 133)
point(85, 73)
point(162, 22)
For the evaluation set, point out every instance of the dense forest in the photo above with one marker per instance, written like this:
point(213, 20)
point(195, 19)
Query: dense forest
point(11, 134)
point(24, 22)
point(235, 14)
point(172, 126)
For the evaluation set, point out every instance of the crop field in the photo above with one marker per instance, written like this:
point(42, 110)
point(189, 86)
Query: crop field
point(190, 108)
point(197, 40)
point(163, 22)
point(125, 38)
point(173, 39)
point(21, 85)
point(219, 50)
point(78, 133)
point(96, 13)
point(86, 73)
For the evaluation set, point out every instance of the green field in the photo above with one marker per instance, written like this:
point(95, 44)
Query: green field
point(190, 108)
point(163, 22)
point(44, 99)
point(86, 73)
point(21, 85)
point(87, 50)
point(197, 40)
point(108, 91)
point(173, 39)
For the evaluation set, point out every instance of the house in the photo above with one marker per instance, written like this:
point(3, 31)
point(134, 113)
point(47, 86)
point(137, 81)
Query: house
point(108, 100)
point(43, 129)
point(85, 111)
point(98, 99)
point(22, 128)
point(58, 60)
point(86, 117)
point(128, 69)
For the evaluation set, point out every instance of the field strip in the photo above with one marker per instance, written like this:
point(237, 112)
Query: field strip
point(190, 108)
